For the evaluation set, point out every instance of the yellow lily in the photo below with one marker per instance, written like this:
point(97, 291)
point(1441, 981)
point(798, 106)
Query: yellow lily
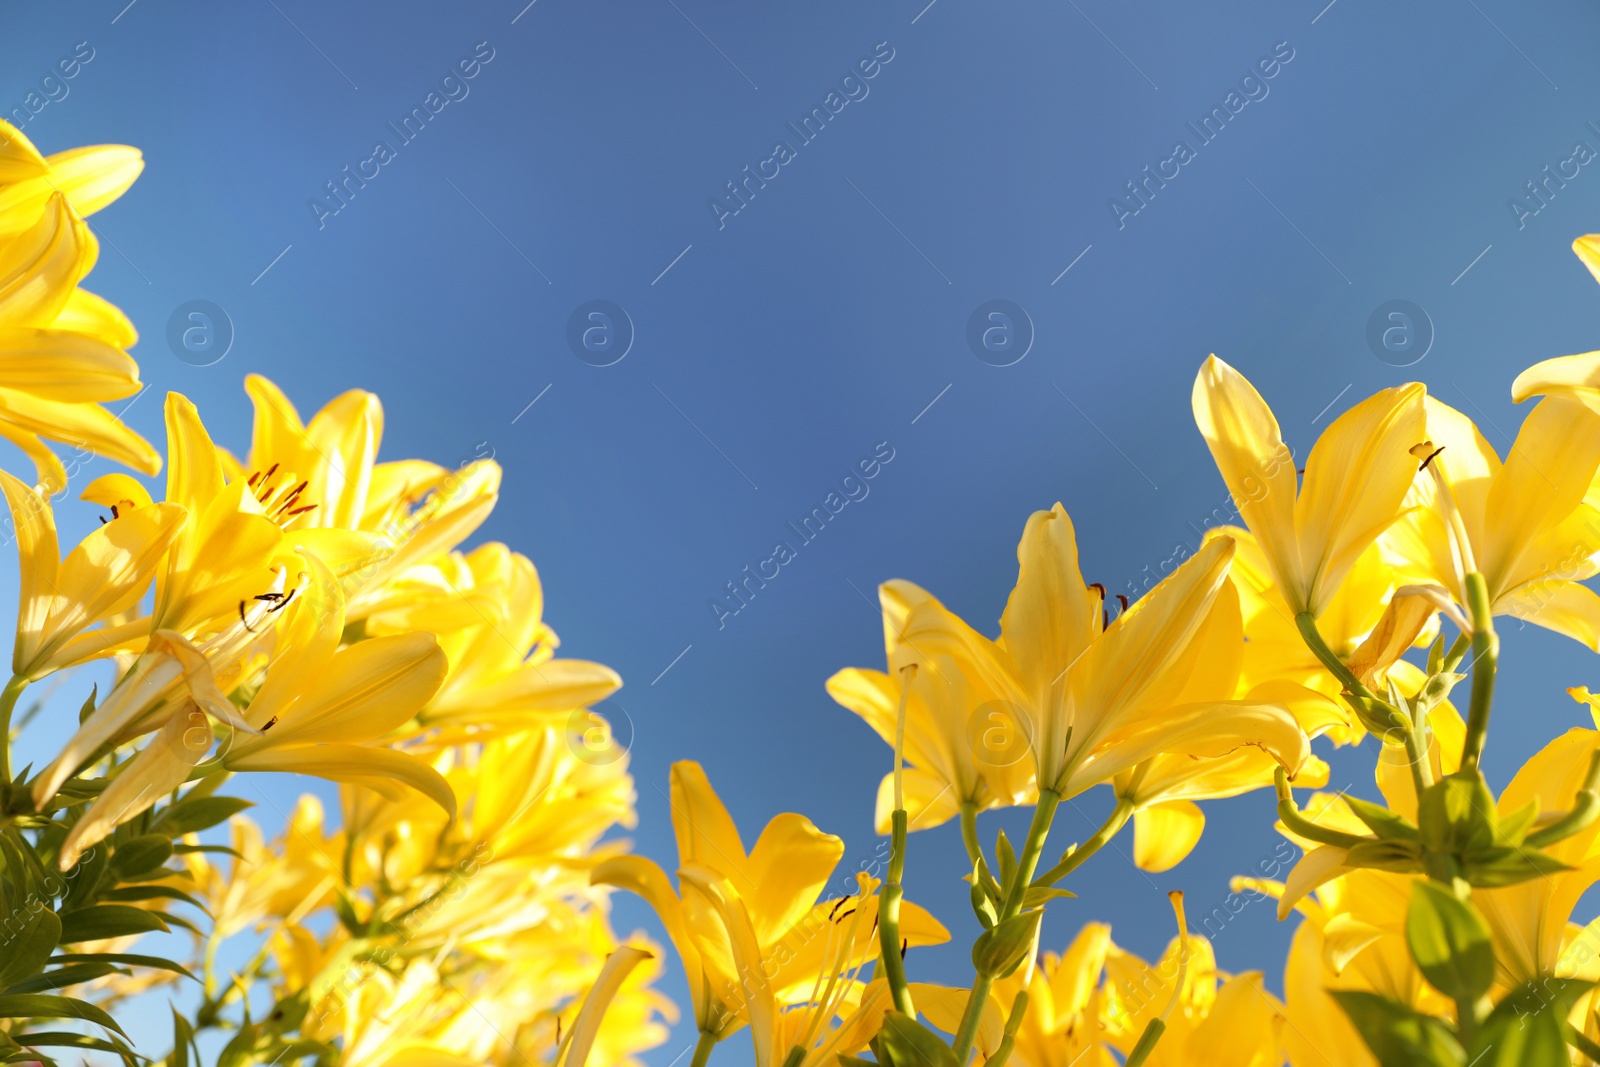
point(1213, 1020)
point(1312, 531)
point(1531, 922)
point(105, 575)
point(324, 476)
point(1097, 700)
point(1577, 376)
point(963, 745)
point(61, 348)
point(485, 607)
point(1393, 773)
point(222, 558)
point(1352, 937)
point(360, 694)
point(89, 178)
point(1277, 665)
point(324, 704)
point(1161, 791)
point(286, 880)
point(53, 380)
point(748, 926)
point(1523, 524)
point(1062, 1026)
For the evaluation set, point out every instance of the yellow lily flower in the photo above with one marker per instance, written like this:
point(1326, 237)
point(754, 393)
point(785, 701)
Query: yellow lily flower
point(1352, 937)
point(963, 744)
point(1167, 823)
point(61, 348)
point(1524, 524)
point(1324, 863)
point(1531, 922)
point(1312, 531)
point(486, 607)
point(324, 704)
point(54, 380)
point(1097, 700)
point(1161, 791)
point(286, 880)
point(105, 575)
point(1213, 1020)
point(1277, 665)
point(88, 178)
point(1062, 1027)
point(1577, 377)
point(748, 927)
point(324, 476)
point(361, 693)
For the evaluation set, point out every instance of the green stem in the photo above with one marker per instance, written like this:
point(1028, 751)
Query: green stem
point(8, 703)
point(1071, 861)
point(1580, 1041)
point(1416, 739)
point(1147, 1043)
point(1485, 654)
point(1585, 809)
point(889, 897)
point(1043, 814)
point(1019, 1008)
point(1297, 823)
point(969, 832)
point(1307, 624)
point(702, 1048)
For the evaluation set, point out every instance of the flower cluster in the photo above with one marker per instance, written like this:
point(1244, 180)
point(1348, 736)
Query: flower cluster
point(309, 609)
point(304, 609)
point(1437, 928)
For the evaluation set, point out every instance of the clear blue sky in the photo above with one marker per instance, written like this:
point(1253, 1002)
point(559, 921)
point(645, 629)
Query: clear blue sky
point(773, 348)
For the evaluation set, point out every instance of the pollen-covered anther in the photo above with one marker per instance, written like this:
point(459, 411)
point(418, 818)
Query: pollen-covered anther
point(1425, 452)
point(282, 502)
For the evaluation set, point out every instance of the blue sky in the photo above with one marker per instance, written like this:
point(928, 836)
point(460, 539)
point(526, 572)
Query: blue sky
point(986, 158)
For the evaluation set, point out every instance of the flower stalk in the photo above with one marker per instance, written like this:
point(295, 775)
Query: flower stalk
point(1485, 662)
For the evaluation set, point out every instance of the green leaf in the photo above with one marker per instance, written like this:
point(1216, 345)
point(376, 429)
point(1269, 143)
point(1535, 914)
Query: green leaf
point(1397, 856)
point(65, 1039)
point(243, 1049)
point(182, 1040)
point(183, 849)
point(193, 814)
point(108, 920)
point(1450, 942)
point(1526, 1026)
point(61, 977)
point(141, 855)
point(1396, 1035)
point(1436, 654)
point(1375, 715)
point(1006, 858)
point(982, 908)
point(1038, 896)
point(27, 951)
point(40, 1006)
point(1381, 821)
point(84, 880)
point(150, 892)
point(997, 952)
point(130, 959)
point(1457, 814)
point(1504, 865)
point(1515, 827)
point(904, 1042)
